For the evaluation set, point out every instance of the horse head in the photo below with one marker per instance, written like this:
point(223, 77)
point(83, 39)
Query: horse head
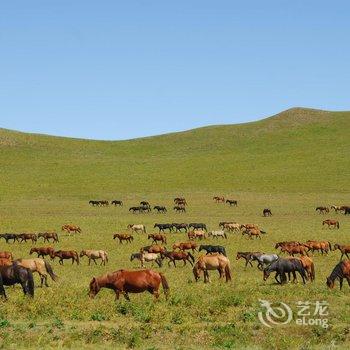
point(94, 288)
point(330, 283)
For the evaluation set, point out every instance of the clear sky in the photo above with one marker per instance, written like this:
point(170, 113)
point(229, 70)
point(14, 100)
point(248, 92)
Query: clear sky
point(123, 69)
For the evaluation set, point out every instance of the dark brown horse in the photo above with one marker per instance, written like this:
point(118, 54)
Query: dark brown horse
point(123, 237)
point(42, 251)
point(344, 249)
point(49, 235)
point(331, 223)
point(267, 212)
point(341, 271)
point(65, 255)
point(174, 256)
point(322, 210)
point(24, 237)
point(157, 238)
point(124, 282)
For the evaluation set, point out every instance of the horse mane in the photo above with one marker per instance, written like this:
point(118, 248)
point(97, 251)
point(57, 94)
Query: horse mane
point(337, 271)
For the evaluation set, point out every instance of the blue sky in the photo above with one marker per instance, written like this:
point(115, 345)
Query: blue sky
point(124, 69)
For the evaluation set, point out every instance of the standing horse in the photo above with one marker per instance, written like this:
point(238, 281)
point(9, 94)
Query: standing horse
point(160, 209)
point(13, 274)
point(117, 202)
point(124, 282)
point(331, 223)
point(94, 255)
point(212, 262)
point(137, 228)
point(219, 199)
point(179, 209)
point(322, 210)
point(340, 271)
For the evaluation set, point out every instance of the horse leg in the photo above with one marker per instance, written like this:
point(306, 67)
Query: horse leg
point(117, 294)
point(184, 260)
point(126, 296)
point(94, 260)
point(45, 279)
point(340, 282)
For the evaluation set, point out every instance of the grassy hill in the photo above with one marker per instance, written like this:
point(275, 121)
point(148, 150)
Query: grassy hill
point(299, 150)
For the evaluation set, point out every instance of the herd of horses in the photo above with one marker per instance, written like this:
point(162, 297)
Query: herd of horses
point(296, 261)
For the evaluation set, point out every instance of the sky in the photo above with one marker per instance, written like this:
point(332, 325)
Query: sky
point(123, 69)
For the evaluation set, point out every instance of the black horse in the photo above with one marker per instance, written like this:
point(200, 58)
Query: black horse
point(232, 202)
point(213, 249)
point(94, 203)
point(145, 208)
point(198, 226)
point(8, 236)
point(283, 266)
point(117, 202)
point(135, 209)
point(163, 227)
point(179, 209)
point(179, 227)
point(347, 211)
point(13, 274)
point(145, 204)
point(339, 272)
point(267, 212)
point(160, 208)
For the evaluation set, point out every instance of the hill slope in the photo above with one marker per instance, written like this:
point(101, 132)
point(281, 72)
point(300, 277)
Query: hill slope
point(299, 150)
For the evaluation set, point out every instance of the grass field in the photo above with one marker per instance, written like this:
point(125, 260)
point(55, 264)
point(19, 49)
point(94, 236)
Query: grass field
point(291, 163)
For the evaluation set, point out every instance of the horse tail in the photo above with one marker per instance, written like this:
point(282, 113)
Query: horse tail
point(165, 285)
point(144, 229)
point(228, 273)
point(337, 224)
point(49, 270)
point(191, 256)
point(261, 231)
point(30, 283)
point(312, 271)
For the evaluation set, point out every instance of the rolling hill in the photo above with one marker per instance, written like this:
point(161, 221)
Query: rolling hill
point(298, 150)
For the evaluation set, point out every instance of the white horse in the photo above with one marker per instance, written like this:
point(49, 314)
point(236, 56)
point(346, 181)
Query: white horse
point(264, 259)
point(94, 255)
point(217, 234)
point(147, 257)
point(137, 228)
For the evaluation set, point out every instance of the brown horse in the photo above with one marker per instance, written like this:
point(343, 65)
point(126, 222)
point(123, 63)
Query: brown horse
point(178, 256)
point(6, 255)
point(252, 232)
point(294, 249)
point(123, 237)
point(331, 223)
point(157, 238)
point(71, 228)
point(322, 210)
point(231, 226)
point(340, 271)
point(185, 246)
point(319, 246)
point(212, 262)
point(49, 235)
point(64, 255)
point(307, 264)
point(41, 266)
point(197, 234)
point(42, 251)
point(154, 248)
point(5, 262)
point(124, 282)
point(244, 227)
point(344, 249)
point(94, 255)
point(219, 199)
point(286, 243)
point(24, 237)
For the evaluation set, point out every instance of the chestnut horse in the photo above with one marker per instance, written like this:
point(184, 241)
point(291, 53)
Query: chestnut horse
point(65, 254)
point(341, 271)
point(6, 255)
point(154, 248)
point(123, 237)
point(124, 282)
point(157, 238)
point(322, 246)
point(71, 228)
point(331, 223)
point(219, 199)
point(178, 256)
point(294, 249)
point(42, 251)
point(197, 234)
point(5, 262)
point(344, 249)
point(185, 246)
point(49, 235)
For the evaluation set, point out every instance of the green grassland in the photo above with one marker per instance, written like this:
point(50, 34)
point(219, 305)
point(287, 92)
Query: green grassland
point(291, 163)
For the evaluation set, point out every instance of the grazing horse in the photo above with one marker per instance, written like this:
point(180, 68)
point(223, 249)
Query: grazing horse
point(157, 238)
point(137, 228)
point(147, 257)
point(211, 249)
point(186, 246)
point(231, 226)
point(123, 237)
point(124, 282)
point(71, 228)
point(322, 210)
point(8, 236)
point(344, 249)
point(308, 265)
point(263, 259)
point(154, 248)
point(49, 235)
point(247, 256)
point(217, 234)
point(42, 251)
point(13, 274)
point(117, 202)
point(179, 227)
point(94, 255)
point(340, 271)
point(232, 202)
point(6, 255)
point(173, 256)
point(219, 199)
point(198, 226)
point(322, 246)
point(283, 266)
point(331, 223)
point(196, 234)
point(294, 249)
point(267, 212)
point(212, 262)
point(179, 209)
point(163, 227)
point(24, 237)
point(64, 255)
point(160, 209)
point(41, 266)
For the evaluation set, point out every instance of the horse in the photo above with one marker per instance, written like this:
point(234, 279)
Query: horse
point(145, 208)
point(295, 249)
point(322, 246)
point(41, 266)
point(340, 271)
point(198, 226)
point(252, 232)
point(331, 223)
point(267, 212)
point(157, 238)
point(185, 246)
point(94, 203)
point(322, 210)
point(6, 255)
point(283, 266)
point(154, 248)
point(8, 236)
point(123, 237)
point(117, 202)
point(347, 211)
point(5, 262)
point(336, 208)
point(179, 209)
point(26, 237)
point(124, 282)
point(196, 234)
point(231, 226)
point(217, 234)
point(147, 257)
point(180, 200)
point(174, 256)
point(71, 228)
point(212, 262)
point(211, 249)
point(264, 259)
point(64, 255)
point(49, 235)
point(135, 209)
point(219, 199)
point(232, 202)
point(286, 243)
point(13, 274)
point(163, 227)
point(137, 228)
point(247, 256)
point(145, 204)
point(179, 227)
point(344, 249)
point(42, 251)
point(94, 255)
point(308, 265)
point(160, 209)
